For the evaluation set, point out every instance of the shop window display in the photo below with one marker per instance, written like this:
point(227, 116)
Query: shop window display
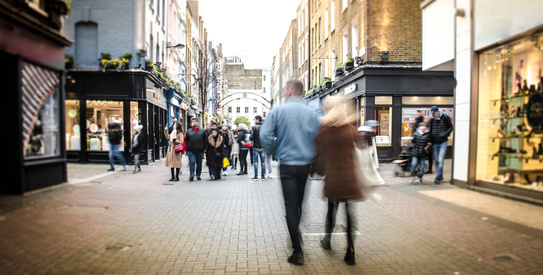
point(384, 132)
point(73, 124)
point(510, 130)
point(99, 113)
point(40, 107)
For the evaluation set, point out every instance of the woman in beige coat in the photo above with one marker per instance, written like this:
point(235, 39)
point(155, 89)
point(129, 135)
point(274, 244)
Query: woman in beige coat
point(173, 159)
point(335, 160)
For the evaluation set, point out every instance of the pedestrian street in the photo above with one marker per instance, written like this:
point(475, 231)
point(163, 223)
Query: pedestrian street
point(124, 223)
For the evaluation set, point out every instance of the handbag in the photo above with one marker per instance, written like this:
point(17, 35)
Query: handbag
point(178, 148)
point(225, 162)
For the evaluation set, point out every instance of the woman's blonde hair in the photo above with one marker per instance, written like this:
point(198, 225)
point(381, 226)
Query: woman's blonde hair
point(338, 112)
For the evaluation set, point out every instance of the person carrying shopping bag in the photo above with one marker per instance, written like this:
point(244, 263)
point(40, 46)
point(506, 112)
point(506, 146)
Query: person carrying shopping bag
point(173, 155)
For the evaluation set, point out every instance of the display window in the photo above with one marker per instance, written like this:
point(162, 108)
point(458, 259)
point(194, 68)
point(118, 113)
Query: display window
point(99, 113)
point(41, 111)
point(135, 116)
point(384, 131)
point(73, 125)
point(510, 127)
point(410, 116)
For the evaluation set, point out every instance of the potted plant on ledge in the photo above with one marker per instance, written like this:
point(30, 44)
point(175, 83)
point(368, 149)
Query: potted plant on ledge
point(339, 70)
point(349, 64)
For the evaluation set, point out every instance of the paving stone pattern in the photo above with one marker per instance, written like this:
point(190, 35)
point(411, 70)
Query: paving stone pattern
point(139, 224)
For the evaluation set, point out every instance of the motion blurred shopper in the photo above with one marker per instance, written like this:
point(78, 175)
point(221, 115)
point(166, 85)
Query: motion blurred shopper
point(173, 158)
point(336, 161)
point(215, 153)
point(440, 129)
point(288, 134)
point(243, 141)
point(115, 135)
point(138, 147)
point(196, 144)
point(258, 152)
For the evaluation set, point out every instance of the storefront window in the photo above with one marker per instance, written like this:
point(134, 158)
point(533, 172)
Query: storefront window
point(73, 131)
point(41, 119)
point(135, 116)
point(99, 112)
point(409, 118)
point(510, 129)
point(384, 132)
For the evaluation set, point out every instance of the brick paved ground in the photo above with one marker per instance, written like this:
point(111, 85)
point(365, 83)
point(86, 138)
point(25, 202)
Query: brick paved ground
point(139, 224)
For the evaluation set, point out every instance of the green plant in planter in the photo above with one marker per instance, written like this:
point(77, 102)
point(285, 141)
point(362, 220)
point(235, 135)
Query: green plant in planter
point(340, 69)
point(349, 64)
point(149, 66)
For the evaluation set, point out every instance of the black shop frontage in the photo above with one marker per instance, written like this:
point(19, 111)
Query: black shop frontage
point(392, 95)
point(131, 97)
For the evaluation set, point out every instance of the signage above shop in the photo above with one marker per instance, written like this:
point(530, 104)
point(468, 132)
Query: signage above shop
point(184, 106)
point(350, 88)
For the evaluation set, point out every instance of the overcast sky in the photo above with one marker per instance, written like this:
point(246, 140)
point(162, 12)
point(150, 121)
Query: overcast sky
point(252, 28)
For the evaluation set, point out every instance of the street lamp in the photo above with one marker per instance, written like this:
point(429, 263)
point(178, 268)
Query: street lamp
point(179, 46)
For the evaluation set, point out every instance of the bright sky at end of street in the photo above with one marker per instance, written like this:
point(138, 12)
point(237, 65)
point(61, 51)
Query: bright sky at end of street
point(254, 29)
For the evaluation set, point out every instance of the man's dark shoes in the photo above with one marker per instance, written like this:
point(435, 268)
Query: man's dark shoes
point(325, 243)
point(349, 258)
point(297, 258)
point(198, 178)
point(191, 178)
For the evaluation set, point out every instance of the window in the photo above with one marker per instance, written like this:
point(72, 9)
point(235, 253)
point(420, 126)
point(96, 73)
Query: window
point(345, 3)
point(99, 113)
point(332, 16)
point(255, 109)
point(384, 132)
point(354, 36)
point(229, 109)
point(41, 114)
point(238, 110)
point(246, 110)
point(326, 24)
point(510, 106)
point(73, 125)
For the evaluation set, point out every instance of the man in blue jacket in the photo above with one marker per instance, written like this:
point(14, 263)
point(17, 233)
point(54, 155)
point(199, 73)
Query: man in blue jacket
point(440, 129)
point(288, 134)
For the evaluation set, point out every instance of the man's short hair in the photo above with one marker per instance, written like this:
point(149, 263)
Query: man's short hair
point(296, 85)
point(421, 124)
point(258, 117)
point(195, 119)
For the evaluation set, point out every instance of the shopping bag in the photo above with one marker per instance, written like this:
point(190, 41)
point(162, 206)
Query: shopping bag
point(225, 162)
point(368, 175)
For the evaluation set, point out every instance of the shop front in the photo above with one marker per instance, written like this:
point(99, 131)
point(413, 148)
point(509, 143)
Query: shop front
point(509, 153)
point(392, 95)
point(130, 97)
point(32, 54)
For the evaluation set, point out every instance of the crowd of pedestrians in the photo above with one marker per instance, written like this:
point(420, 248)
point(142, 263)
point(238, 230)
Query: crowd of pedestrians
point(303, 144)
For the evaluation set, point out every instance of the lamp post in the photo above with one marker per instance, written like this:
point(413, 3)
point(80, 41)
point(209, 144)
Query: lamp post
point(178, 46)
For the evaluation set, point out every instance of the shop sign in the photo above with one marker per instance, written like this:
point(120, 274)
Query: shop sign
point(350, 88)
point(535, 111)
point(184, 106)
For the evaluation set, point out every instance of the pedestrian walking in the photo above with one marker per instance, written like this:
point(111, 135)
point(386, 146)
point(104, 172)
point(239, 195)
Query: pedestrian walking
point(336, 160)
point(258, 152)
point(196, 144)
point(440, 129)
point(244, 144)
point(235, 150)
point(115, 135)
point(288, 135)
point(419, 144)
point(269, 166)
point(227, 141)
point(138, 147)
point(215, 153)
point(430, 150)
point(173, 157)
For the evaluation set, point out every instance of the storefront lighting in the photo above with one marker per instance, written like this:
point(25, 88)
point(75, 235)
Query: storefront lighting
point(384, 55)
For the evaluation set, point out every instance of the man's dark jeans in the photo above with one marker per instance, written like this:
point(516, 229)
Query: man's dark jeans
point(195, 163)
point(293, 180)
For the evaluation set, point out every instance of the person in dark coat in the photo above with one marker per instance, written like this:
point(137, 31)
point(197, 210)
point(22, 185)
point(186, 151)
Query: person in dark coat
point(138, 147)
point(227, 145)
point(420, 145)
point(215, 153)
point(336, 161)
point(115, 136)
point(196, 145)
point(242, 139)
point(440, 129)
